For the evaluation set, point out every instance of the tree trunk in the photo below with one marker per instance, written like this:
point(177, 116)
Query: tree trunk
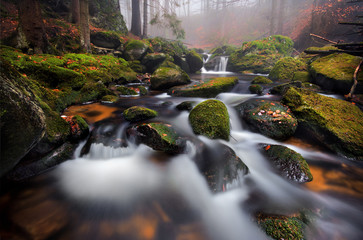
point(84, 25)
point(136, 18)
point(75, 11)
point(280, 25)
point(273, 18)
point(144, 30)
point(31, 31)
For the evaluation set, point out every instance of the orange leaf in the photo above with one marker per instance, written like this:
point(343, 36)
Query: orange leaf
point(267, 147)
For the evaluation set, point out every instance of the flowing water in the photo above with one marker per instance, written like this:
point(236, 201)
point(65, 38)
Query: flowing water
point(119, 190)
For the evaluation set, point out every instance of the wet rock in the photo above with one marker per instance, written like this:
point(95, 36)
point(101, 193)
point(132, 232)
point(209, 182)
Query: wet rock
point(286, 67)
point(282, 88)
point(194, 61)
point(79, 127)
point(288, 163)
point(220, 165)
point(126, 91)
point(210, 118)
point(335, 72)
point(270, 118)
point(208, 89)
point(168, 76)
point(22, 120)
point(158, 136)
point(135, 50)
point(136, 113)
point(335, 123)
point(301, 76)
point(187, 106)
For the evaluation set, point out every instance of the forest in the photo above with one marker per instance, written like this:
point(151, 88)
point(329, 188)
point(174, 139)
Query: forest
point(181, 119)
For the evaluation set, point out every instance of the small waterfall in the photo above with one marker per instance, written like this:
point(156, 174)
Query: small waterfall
point(222, 67)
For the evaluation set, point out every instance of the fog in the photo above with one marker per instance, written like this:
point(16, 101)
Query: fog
point(213, 23)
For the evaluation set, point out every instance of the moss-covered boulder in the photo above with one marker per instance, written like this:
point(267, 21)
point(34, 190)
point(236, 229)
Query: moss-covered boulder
point(255, 88)
point(335, 123)
point(282, 227)
point(22, 120)
point(106, 39)
point(261, 55)
point(270, 118)
point(261, 80)
point(286, 67)
point(79, 127)
point(169, 76)
point(208, 89)
point(288, 163)
point(158, 136)
point(282, 88)
point(136, 113)
point(109, 98)
point(335, 72)
point(301, 76)
point(153, 60)
point(210, 118)
point(135, 50)
point(194, 61)
point(93, 91)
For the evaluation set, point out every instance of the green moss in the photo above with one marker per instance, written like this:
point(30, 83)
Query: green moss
point(335, 72)
point(301, 76)
point(207, 89)
point(261, 80)
point(143, 90)
point(210, 118)
point(126, 91)
point(255, 88)
point(83, 126)
point(136, 113)
point(167, 77)
point(135, 49)
point(57, 129)
point(165, 132)
point(286, 67)
point(280, 227)
point(334, 122)
point(93, 91)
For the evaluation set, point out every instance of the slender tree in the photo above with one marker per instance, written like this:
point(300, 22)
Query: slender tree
point(84, 25)
point(75, 11)
point(144, 29)
point(136, 18)
point(31, 31)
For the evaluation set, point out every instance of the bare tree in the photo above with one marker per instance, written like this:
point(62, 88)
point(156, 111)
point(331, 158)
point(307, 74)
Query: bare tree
point(273, 17)
point(75, 11)
point(280, 24)
point(144, 29)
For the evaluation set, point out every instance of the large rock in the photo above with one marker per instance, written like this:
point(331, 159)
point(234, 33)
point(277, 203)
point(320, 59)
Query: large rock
point(288, 163)
point(194, 61)
point(335, 123)
point(260, 56)
point(285, 68)
point(22, 120)
point(105, 40)
point(158, 136)
point(208, 89)
point(270, 118)
point(335, 72)
point(135, 50)
point(168, 76)
point(210, 118)
point(153, 60)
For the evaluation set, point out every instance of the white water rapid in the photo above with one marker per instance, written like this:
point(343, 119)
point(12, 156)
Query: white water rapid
point(127, 177)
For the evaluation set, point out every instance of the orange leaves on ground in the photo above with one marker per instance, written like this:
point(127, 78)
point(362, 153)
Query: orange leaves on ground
point(73, 123)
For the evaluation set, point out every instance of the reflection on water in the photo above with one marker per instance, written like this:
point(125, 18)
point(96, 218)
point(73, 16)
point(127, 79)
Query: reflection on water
point(134, 192)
